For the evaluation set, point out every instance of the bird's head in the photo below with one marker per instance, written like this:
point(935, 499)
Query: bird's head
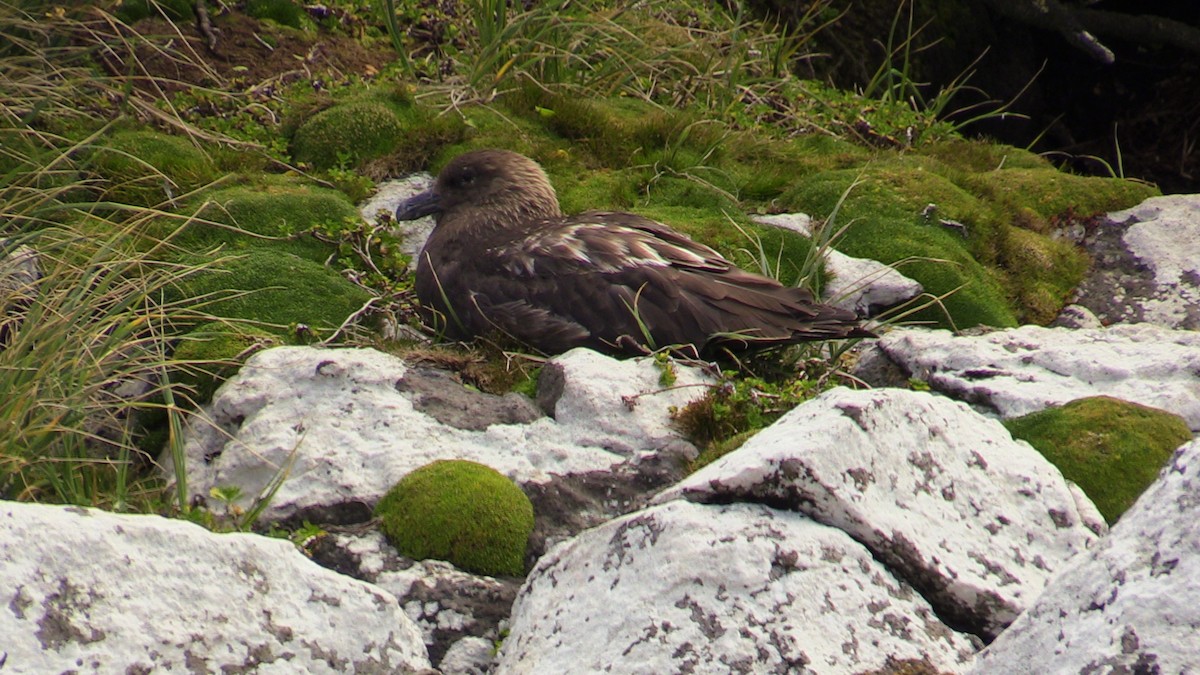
point(493, 184)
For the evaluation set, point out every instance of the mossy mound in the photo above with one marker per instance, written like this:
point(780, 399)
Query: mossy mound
point(379, 134)
point(884, 207)
point(283, 12)
point(131, 11)
point(979, 156)
point(274, 287)
point(212, 352)
point(1038, 195)
point(147, 167)
point(1112, 449)
point(462, 512)
point(275, 207)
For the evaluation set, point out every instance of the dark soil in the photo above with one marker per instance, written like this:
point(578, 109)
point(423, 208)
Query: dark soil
point(1139, 117)
point(250, 54)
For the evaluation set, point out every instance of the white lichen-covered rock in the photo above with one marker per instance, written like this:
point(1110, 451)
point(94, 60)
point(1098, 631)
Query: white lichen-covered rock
point(1129, 605)
point(450, 607)
point(974, 520)
point(1146, 264)
point(1022, 370)
point(738, 588)
point(861, 285)
point(469, 656)
point(385, 200)
point(347, 424)
point(86, 591)
point(607, 401)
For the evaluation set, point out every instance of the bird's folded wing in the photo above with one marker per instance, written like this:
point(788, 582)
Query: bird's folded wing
point(608, 242)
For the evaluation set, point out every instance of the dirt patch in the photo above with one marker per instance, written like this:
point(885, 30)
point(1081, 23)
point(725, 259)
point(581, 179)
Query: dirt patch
point(248, 54)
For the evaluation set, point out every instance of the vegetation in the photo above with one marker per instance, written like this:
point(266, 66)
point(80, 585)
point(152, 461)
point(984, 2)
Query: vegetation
point(187, 210)
point(1112, 449)
point(462, 512)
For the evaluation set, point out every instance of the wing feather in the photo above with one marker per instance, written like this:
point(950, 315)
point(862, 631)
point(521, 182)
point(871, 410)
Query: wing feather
point(599, 279)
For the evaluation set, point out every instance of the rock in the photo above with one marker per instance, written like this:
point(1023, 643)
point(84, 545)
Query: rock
point(388, 196)
point(469, 656)
point(448, 606)
point(619, 402)
point(685, 587)
point(567, 505)
point(118, 593)
point(438, 394)
point(1022, 370)
point(20, 271)
point(861, 285)
point(1076, 316)
point(351, 422)
point(1129, 604)
point(975, 521)
point(1146, 264)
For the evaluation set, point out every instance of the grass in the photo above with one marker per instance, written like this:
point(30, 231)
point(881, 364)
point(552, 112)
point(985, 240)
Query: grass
point(81, 364)
point(86, 363)
point(686, 112)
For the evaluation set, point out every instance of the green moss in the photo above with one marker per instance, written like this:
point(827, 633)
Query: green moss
point(718, 449)
point(600, 189)
point(148, 167)
point(980, 156)
point(1043, 272)
point(283, 12)
point(275, 207)
point(212, 352)
point(461, 512)
point(348, 134)
point(728, 414)
point(1112, 449)
point(1048, 193)
point(131, 11)
point(381, 133)
point(283, 289)
point(884, 211)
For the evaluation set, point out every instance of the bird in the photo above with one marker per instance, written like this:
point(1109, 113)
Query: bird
point(502, 258)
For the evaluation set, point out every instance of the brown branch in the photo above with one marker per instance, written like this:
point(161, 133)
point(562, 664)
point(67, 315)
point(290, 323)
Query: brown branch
point(1053, 15)
point(205, 25)
point(1141, 28)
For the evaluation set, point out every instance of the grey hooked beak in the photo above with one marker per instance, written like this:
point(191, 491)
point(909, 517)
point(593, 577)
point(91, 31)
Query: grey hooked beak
point(418, 206)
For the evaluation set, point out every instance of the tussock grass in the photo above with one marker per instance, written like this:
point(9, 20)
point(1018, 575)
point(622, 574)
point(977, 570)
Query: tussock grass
point(86, 333)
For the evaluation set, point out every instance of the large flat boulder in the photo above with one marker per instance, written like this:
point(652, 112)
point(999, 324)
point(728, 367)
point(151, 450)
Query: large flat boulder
point(86, 591)
point(1128, 605)
point(1146, 264)
point(738, 588)
point(977, 522)
point(1021, 370)
point(347, 424)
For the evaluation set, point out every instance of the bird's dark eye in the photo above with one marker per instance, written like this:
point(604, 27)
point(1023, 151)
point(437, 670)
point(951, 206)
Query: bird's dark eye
point(466, 178)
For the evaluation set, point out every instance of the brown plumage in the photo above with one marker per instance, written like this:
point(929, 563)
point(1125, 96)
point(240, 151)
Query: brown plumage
point(503, 258)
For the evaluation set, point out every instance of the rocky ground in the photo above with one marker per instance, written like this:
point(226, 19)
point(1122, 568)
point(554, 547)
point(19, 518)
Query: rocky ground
point(917, 519)
point(874, 530)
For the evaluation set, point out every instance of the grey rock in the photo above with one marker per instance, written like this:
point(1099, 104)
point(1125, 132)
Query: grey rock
point(971, 518)
point(1129, 604)
point(691, 588)
point(1017, 371)
point(1146, 264)
point(446, 605)
point(1077, 316)
point(388, 196)
point(443, 397)
point(113, 593)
